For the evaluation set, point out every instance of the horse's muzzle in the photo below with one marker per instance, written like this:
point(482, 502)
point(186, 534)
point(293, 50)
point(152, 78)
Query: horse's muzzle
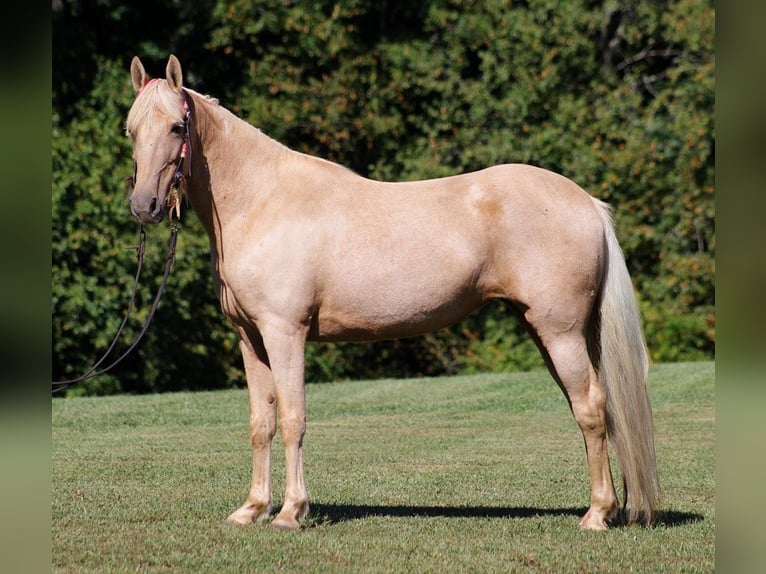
point(148, 209)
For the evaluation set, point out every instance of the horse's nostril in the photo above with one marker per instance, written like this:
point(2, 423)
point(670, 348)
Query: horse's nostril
point(153, 205)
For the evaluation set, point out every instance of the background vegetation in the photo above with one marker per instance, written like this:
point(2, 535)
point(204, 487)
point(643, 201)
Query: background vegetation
point(617, 95)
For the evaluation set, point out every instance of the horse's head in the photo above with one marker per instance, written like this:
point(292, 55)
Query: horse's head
point(158, 124)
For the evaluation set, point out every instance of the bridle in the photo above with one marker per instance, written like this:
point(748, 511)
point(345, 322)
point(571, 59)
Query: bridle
point(174, 205)
point(175, 194)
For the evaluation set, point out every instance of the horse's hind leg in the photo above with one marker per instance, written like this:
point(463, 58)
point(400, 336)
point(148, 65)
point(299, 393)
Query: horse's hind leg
point(261, 397)
point(567, 356)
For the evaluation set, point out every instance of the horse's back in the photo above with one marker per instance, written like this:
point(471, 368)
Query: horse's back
point(407, 258)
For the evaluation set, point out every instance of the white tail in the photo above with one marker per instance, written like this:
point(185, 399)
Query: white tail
point(623, 370)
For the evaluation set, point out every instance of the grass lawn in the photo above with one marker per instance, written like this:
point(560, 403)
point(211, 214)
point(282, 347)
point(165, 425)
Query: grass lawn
point(481, 473)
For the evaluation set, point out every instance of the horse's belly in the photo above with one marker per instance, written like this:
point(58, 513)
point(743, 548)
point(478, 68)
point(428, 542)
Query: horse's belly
point(393, 314)
point(399, 281)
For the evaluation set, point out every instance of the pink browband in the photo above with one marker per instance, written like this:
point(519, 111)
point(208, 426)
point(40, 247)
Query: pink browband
point(147, 84)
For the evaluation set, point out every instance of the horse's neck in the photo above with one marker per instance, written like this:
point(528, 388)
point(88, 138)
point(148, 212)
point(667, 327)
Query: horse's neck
point(230, 166)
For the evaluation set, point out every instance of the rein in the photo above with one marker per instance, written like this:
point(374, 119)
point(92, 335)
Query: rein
point(174, 204)
point(95, 371)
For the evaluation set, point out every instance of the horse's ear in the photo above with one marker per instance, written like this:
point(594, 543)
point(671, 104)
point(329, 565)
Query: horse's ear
point(173, 74)
point(138, 75)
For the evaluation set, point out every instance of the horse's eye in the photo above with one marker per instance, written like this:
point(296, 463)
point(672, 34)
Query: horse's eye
point(177, 129)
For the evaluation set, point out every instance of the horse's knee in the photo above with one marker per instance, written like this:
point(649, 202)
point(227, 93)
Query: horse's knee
point(262, 432)
point(293, 429)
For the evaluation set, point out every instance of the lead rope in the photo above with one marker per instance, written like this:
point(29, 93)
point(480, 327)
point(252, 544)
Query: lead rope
point(95, 371)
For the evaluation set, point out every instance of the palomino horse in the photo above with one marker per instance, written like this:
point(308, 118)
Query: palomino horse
point(304, 249)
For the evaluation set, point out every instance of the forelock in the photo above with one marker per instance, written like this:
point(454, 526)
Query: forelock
point(154, 96)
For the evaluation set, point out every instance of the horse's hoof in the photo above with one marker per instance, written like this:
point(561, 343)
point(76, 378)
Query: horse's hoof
point(237, 522)
point(593, 526)
point(593, 522)
point(238, 519)
point(246, 515)
point(285, 523)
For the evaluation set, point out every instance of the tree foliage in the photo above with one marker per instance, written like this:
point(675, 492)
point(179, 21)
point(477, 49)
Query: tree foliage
point(617, 95)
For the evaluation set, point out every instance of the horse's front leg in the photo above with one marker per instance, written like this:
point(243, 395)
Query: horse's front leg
point(286, 347)
point(261, 398)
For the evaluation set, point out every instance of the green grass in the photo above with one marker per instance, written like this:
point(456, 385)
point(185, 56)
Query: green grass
point(466, 474)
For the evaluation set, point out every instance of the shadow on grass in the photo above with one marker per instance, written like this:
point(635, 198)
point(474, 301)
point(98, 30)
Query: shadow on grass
point(673, 518)
point(324, 514)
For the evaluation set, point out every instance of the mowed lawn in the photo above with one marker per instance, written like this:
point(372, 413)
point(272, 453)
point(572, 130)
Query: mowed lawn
point(479, 473)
